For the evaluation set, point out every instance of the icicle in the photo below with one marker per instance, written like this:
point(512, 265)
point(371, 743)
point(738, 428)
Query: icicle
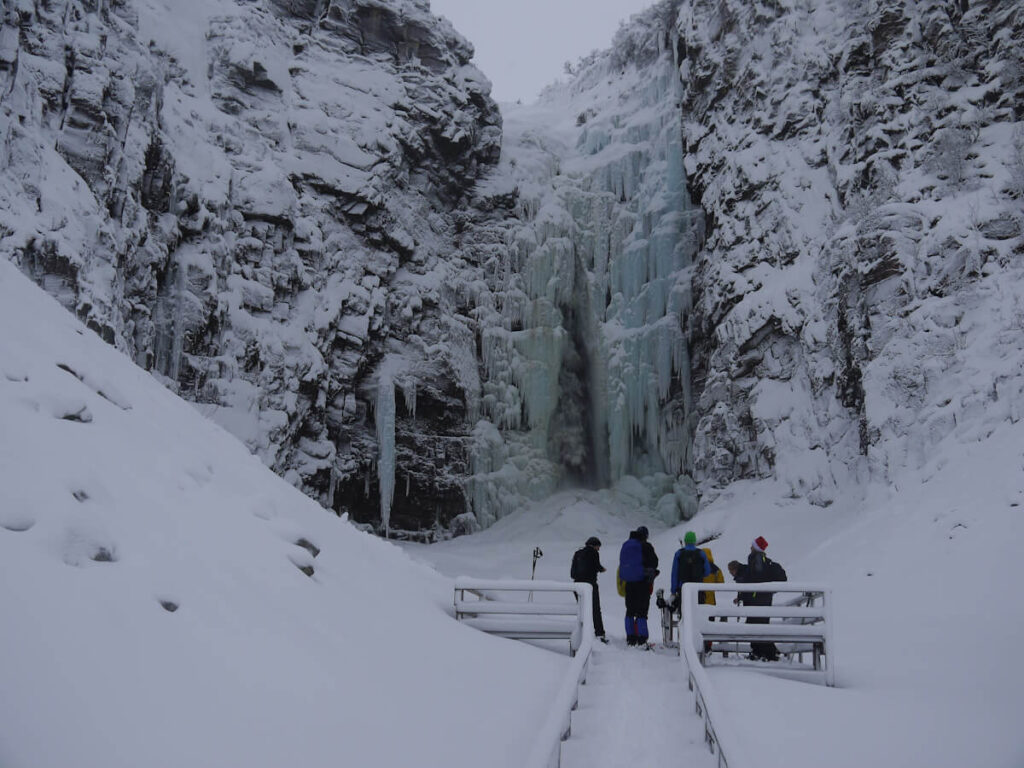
point(178, 324)
point(409, 396)
point(385, 418)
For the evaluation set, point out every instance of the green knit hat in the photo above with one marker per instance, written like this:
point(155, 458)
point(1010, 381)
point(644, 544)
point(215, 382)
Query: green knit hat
point(690, 538)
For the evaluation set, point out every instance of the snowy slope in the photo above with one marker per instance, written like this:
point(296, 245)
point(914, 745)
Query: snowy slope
point(118, 502)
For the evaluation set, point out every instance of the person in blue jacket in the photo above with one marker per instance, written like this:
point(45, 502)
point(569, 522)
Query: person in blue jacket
point(689, 564)
point(638, 567)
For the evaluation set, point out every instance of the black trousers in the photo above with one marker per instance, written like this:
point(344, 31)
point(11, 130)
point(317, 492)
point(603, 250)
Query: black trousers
point(766, 651)
point(638, 598)
point(596, 608)
point(598, 621)
point(638, 603)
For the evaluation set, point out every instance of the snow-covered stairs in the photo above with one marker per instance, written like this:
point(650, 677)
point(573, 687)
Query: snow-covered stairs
point(635, 709)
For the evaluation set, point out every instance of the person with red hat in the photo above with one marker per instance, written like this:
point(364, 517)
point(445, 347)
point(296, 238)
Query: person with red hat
point(759, 568)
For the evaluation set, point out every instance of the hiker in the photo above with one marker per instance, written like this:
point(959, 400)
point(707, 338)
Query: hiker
point(638, 567)
point(759, 568)
point(689, 565)
point(586, 564)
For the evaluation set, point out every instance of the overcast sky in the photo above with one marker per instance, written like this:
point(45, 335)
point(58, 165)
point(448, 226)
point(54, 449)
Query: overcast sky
point(522, 45)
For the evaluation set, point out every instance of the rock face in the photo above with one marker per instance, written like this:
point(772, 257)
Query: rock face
point(255, 201)
point(859, 164)
point(755, 238)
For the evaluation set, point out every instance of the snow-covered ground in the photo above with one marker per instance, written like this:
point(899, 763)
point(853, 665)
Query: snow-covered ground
point(153, 608)
point(928, 619)
point(119, 502)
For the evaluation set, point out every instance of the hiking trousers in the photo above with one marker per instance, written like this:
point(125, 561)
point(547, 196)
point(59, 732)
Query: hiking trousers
point(596, 608)
point(598, 621)
point(638, 603)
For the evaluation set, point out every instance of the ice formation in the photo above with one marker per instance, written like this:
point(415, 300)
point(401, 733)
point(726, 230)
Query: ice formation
point(588, 352)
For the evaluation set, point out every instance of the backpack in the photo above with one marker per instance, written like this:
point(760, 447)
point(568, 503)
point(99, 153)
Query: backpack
point(691, 565)
point(773, 571)
point(631, 561)
point(576, 569)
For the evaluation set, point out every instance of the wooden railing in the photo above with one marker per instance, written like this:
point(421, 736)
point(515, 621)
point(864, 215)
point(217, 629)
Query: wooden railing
point(507, 608)
point(801, 625)
point(804, 621)
point(501, 608)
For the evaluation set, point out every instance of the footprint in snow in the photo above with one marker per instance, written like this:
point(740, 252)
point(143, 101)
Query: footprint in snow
point(70, 409)
point(83, 545)
point(304, 564)
point(168, 604)
point(18, 522)
point(307, 545)
point(106, 391)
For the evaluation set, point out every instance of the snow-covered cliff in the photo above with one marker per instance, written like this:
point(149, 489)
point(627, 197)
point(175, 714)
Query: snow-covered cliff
point(858, 296)
point(753, 238)
point(254, 201)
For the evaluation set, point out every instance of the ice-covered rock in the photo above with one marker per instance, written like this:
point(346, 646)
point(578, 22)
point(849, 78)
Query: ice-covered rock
point(856, 162)
point(255, 201)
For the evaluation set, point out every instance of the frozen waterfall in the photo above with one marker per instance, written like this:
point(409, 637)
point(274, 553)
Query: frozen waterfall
point(586, 349)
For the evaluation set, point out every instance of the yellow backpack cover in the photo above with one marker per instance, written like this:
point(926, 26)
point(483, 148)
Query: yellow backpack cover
point(620, 585)
point(708, 598)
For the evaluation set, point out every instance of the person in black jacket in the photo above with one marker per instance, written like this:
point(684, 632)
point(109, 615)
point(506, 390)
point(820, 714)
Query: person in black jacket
point(754, 572)
point(586, 564)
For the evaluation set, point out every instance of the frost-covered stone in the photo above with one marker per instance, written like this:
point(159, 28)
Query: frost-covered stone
point(251, 199)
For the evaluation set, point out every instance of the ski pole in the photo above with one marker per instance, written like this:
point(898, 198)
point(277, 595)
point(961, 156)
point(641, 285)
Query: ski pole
point(537, 554)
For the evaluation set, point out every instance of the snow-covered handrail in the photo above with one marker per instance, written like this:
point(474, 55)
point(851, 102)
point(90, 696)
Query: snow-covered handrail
point(708, 704)
point(718, 728)
point(471, 584)
point(546, 751)
point(802, 621)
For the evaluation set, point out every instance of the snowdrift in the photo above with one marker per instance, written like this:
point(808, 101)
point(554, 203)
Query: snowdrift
point(168, 601)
